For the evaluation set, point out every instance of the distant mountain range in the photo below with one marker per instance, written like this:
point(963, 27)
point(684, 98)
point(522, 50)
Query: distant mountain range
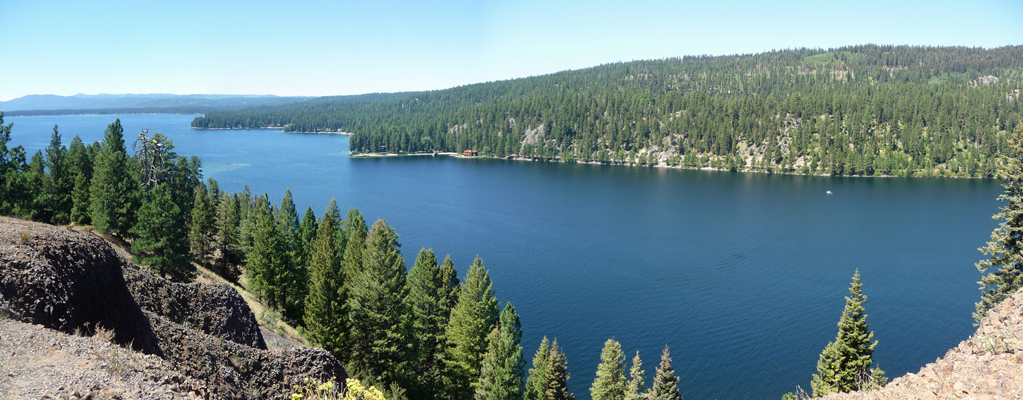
point(39, 104)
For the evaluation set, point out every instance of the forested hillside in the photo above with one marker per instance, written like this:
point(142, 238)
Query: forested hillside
point(861, 110)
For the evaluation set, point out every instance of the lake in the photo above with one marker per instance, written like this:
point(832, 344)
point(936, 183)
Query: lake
point(742, 275)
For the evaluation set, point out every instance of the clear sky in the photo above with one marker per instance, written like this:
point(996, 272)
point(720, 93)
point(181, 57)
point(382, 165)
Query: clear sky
point(349, 47)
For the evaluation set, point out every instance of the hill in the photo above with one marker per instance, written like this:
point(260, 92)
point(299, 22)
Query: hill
point(858, 110)
point(141, 335)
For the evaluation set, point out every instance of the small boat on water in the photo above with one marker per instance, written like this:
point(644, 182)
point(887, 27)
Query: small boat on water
point(828, 192)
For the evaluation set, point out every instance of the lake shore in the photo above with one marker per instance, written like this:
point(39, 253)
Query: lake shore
point(916, 174)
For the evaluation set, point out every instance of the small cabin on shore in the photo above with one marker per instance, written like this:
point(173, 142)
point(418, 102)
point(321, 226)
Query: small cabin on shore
point(470, 153)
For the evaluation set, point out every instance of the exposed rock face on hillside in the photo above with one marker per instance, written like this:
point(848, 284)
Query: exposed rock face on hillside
point(989, 365)
point(185, 340)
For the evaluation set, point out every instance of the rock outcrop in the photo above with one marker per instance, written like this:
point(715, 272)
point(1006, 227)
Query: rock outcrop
point(177, 340)
point(988, 365)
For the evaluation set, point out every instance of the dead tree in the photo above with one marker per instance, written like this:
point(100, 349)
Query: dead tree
point(150, 154)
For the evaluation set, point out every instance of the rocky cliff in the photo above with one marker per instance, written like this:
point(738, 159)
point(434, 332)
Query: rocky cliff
point(79, 320)
point(989, 365)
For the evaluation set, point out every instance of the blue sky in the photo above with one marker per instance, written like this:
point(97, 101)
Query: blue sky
point(341, 47)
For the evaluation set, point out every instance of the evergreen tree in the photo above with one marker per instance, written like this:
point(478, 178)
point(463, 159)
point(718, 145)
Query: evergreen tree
point(226, 243)
point(37, 207)
point(268, 263)
point(351, 241)
point(503, 370)
point(60, 183)
point(536, 383)
point(201, 230)
point(12, 163)
point(637, 380)
point(472, 319)
point(844, 365)
point(79, 165)
point(557, 375)
point(114, 189)
point(379, 342)
point(665, 385)
point(1004, 268)
point(160, 238)
point(610, 383)
point(309, 226)
point(80, 208)
point(427, 303)
point(828, 376)
point(296, 286)
point(449, 275)
point(325, 315)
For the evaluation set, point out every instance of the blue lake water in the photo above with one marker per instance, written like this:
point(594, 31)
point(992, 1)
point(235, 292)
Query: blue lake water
point(742, 275)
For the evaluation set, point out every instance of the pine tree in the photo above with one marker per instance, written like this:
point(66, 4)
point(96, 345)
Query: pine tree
point(296, 286)
point(449, 275)
point(309, 226)
point(665, 385)
point(12, 163)
point(37, 207)
point(201, 226)
point(267, 264)
point(160, 239)
point(114, 195)
point(427, 303)
point(1004, 268)
point(79, 165)
point(226, 244)
point(637, 380)
point(472, 319)
point(536, 383)
point(351, 241)
point(557, 375)
point(378, 318)
point(325, 318)
point(503, 369)
point(844, 365)
point(827, 379)
point(60, 183)
point(610, 382)
point(80, 208)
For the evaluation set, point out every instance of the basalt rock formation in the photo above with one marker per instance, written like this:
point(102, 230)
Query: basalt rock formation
point(152, 337)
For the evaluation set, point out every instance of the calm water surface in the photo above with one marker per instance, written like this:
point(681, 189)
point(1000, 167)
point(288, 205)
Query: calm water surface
point(742, 275)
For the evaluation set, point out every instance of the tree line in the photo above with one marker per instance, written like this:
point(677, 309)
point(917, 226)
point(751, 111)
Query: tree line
point(860, 110)
point(421, 333)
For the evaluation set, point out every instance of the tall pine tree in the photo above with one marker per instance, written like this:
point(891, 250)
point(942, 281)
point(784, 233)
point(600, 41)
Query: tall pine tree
point(160, 239)
point(428, 304)
point(114, 195)
point(665, 385)
point(267, 264)
point(536, 383)
point(378, 318)
point(472, 319)
point(325, 315)
point(1004, 268)
point(557, 375)
point(60, 183)
point(637, 380)
point(297, 279)
point(200, 231)
point(610, 382)
point(503, 370)
point(844, 365)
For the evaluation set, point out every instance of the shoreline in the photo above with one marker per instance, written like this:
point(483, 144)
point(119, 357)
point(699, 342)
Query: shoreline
point(659, 165)
point(276, 128)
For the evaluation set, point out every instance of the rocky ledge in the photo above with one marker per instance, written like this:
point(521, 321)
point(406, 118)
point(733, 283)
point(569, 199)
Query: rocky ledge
point(989, 365)
point(77, 320)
